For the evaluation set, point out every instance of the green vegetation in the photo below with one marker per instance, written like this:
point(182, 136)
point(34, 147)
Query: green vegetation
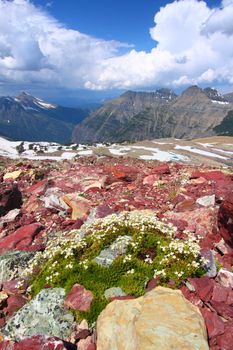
point(226, 126)
point(146, 249)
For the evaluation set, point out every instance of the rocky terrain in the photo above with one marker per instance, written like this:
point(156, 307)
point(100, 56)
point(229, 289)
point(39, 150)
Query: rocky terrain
point(214, 151)
point(94, 243)
point(26, 117)
point(136, 116)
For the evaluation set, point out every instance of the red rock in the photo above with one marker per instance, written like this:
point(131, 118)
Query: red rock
point(214, 324)
point(39, 342)
point(10, 198)
point(150, 179)
point(86, 344)
point(225, 219)
point(186, 205)
point(17, 286)
point(79, 298)
point(103, 210)
point(220, 293)
point(215, 175)
point(192, 297)
point(14, 303)
point(161, 169)
point(203, 286)
point(24, 235)
point(151, 285)
point(225, 340)
point(201, 221)
point(38, 189)
point(223, 310)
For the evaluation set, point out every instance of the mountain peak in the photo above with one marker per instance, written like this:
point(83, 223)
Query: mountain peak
point(192, 91)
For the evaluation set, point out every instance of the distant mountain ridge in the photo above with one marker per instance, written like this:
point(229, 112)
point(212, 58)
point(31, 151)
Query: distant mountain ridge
point(29, 118)
point(136, 116)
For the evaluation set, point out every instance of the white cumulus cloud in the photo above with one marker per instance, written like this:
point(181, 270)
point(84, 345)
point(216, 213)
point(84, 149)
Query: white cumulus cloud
point(193, 45)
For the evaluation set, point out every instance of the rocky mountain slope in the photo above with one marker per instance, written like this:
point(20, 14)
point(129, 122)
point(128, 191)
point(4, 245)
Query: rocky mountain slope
point(139, 115)
point(28, 118)
point(120, 241)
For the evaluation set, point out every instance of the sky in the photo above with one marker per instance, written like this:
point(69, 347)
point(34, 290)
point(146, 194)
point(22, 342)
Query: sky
point(77, 49)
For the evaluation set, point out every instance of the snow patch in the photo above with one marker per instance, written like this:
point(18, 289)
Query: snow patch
point(199, 151)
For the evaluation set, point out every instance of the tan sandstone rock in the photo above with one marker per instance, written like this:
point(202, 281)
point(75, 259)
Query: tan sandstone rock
point(161, 319)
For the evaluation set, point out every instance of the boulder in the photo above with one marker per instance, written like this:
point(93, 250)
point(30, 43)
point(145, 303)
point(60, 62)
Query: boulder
point(79, 298)
point(43, 315)
point(161, 319)
point(10, 198)
point(21, 239)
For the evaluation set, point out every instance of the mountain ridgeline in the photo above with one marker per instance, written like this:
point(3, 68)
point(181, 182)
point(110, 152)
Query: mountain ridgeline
point(136, 116)
point(28, 118)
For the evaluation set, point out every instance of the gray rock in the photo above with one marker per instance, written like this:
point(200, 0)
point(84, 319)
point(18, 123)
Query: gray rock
point(211, 268)
point(12, 264)
point(43, 315)
point(117, 248)
point(114, 292)
point(206, 201)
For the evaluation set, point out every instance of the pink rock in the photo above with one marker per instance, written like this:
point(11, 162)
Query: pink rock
point(17, 286)
point(2, 323)
point(201, 221)
point(86, 344)
point(21, 238)
point(151, 285)
point(103, 210)
point(220, 293)
point(161, 169)
point(225, 278)
point(223, 309)
point(186, 205)
point(38, 189)
point(14, 303)
point(215, 175)
point(39, 342)
point(192, 297)
point(203, 286)
point(150, 179)
point(225, 340)
point(214, 324)
point(79, 298)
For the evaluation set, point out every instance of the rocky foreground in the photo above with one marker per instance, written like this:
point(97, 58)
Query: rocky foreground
point(115, 253)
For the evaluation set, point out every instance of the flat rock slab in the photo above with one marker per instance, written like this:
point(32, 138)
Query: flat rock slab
point(44, 315)
point(161, 319)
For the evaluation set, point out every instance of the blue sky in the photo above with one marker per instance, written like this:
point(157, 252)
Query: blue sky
point(66, 50)
point(124, 20)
